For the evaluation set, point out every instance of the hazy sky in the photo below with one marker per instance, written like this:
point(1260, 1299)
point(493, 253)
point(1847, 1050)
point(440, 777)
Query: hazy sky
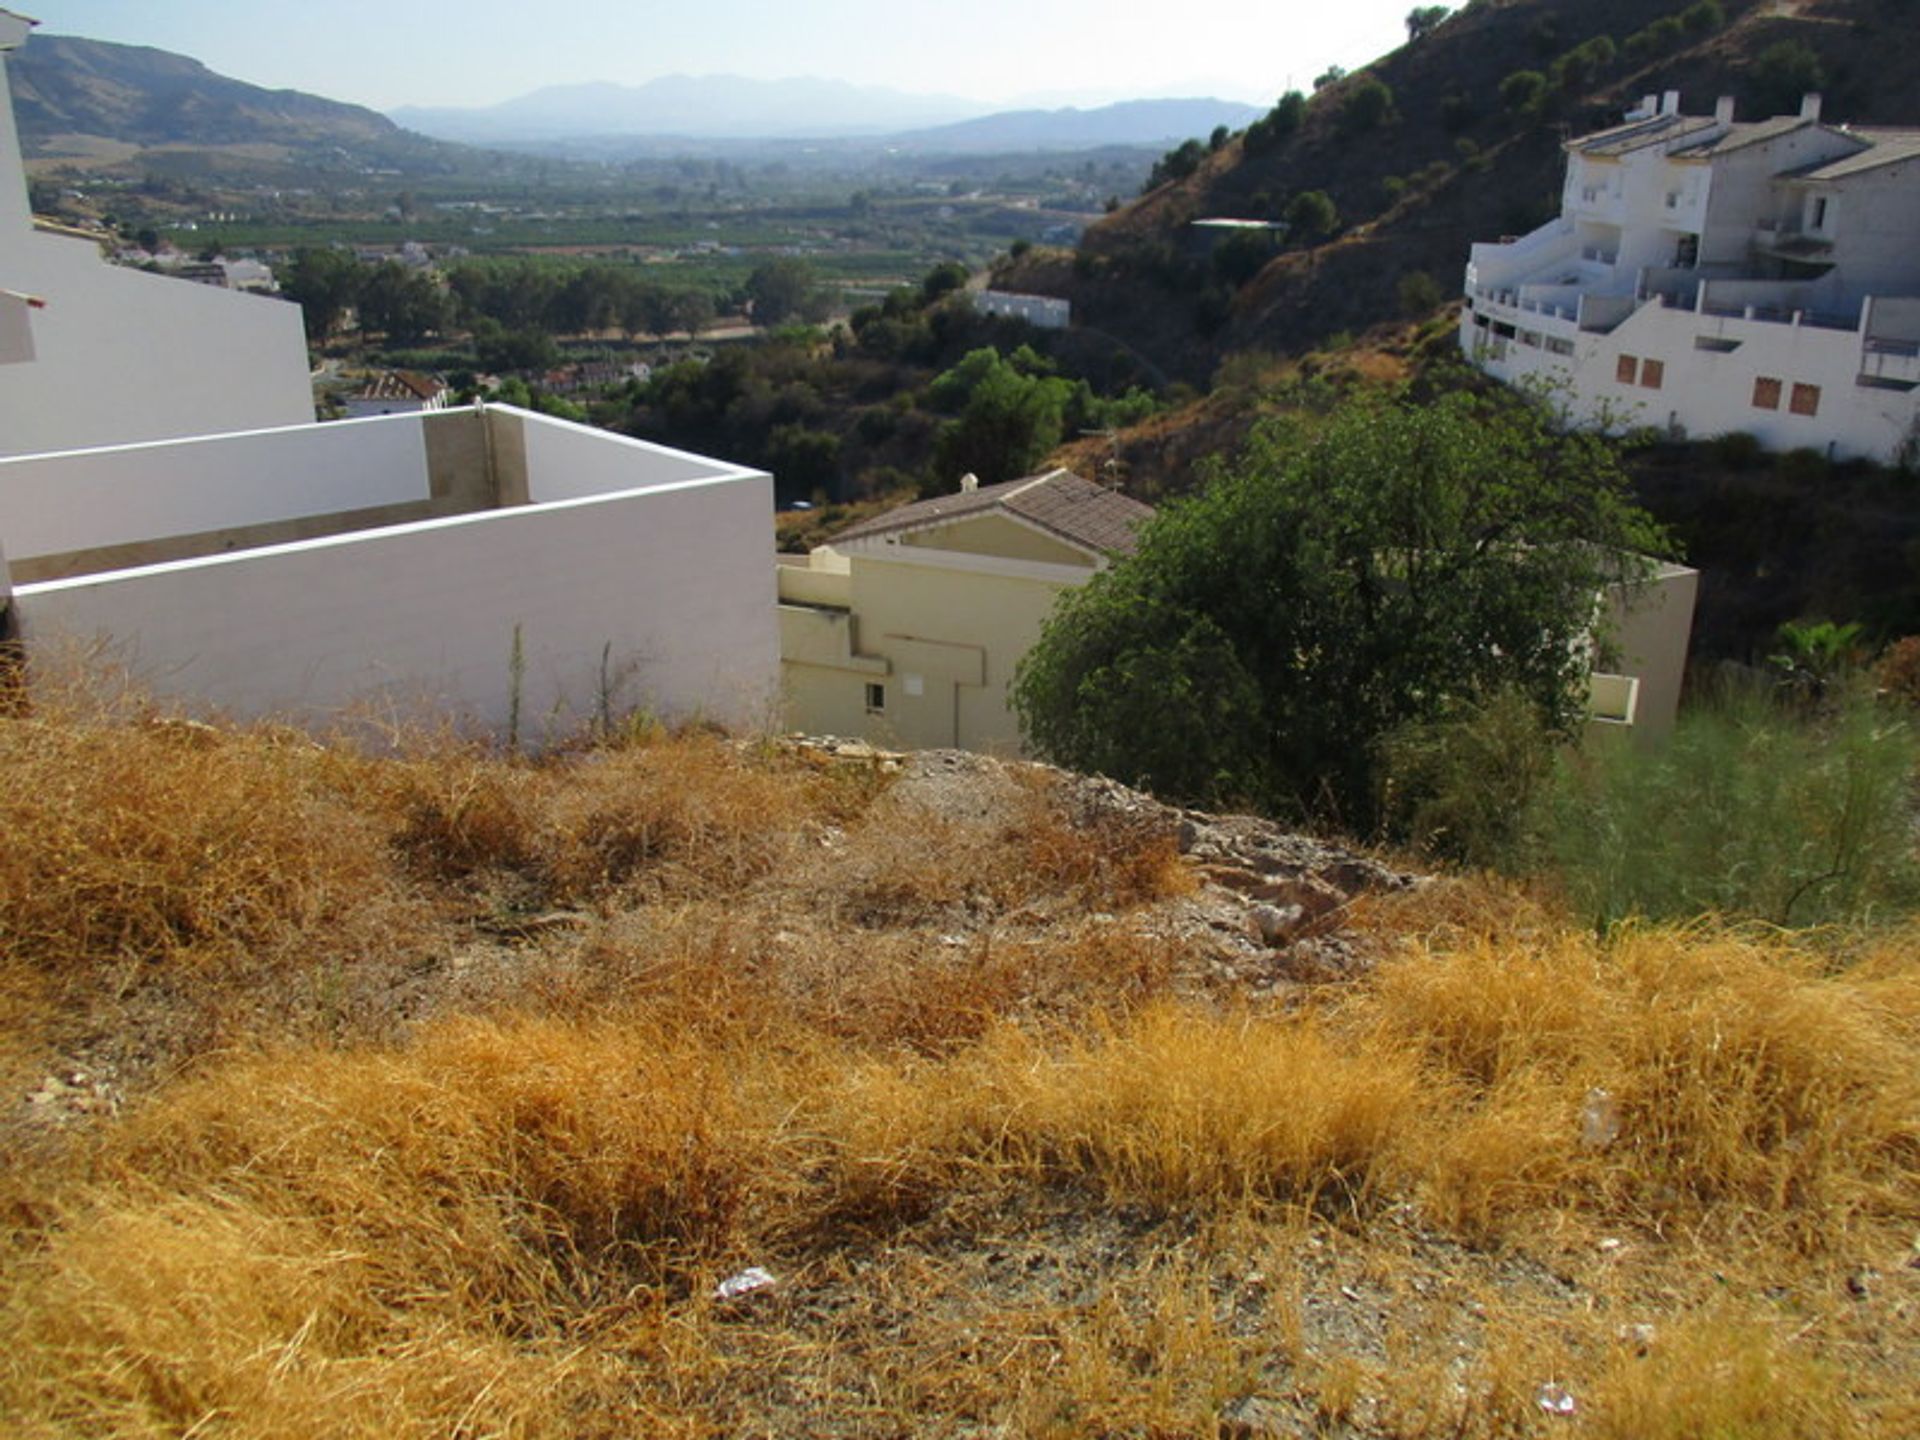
point(474, 52)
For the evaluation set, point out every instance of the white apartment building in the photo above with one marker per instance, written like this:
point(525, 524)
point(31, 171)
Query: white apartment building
point(93, 353)
point(1043, 312)
point(1707, 275)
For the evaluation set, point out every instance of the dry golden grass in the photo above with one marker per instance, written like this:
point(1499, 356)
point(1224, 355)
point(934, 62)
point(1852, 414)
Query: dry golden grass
point(1012, 1174)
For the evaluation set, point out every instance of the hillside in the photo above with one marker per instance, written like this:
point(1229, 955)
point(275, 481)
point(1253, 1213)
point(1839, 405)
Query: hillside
point(1447, 164)
point(686, 1086)
point(75, 97)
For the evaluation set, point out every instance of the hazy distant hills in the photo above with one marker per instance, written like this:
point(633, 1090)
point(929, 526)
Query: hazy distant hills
point(67, 91)
point(91, 99)
point(729, 107)
point(705, 106)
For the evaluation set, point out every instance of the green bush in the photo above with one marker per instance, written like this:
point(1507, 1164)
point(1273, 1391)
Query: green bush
point(1465, 787)
point(1748, 810)
point(1523, 92)
point(1367, 106)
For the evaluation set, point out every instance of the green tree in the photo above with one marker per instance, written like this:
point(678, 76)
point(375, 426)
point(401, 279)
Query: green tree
point(1277, 124)
point(1523, 92)
point(781, 290)
point(1423, 20)
point(1311, 216)
point(400, 304)
point(324, 283)
point(1782, 74)
point(1010, 420)
point(1349, 574)
point(1367, 106)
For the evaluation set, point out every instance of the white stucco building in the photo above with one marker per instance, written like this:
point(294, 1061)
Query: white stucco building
point(93, 353)
point(1707, 275)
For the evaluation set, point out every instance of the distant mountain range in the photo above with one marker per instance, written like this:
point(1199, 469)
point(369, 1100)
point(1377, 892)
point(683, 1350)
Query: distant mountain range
point(728, 107)
point(704, 107)
point(67, 90)
point(71, 94)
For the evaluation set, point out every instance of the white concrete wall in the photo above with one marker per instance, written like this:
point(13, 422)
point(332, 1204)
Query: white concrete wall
point(120, 355)
point(418, 620)
point(84, 499)
point(567, 461)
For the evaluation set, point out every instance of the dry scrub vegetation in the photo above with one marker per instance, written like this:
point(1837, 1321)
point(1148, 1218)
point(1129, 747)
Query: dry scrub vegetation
point(445, 1087)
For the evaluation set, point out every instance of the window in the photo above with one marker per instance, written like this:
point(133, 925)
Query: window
point(1652, 374)
point(876, 699)
point(1806, 400)
point(1766, 393)
point(1820, 212)
point(1626, 369)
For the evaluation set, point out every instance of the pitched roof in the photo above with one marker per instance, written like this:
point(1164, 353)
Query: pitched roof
point(401, 385)
point(1058, 502)
point(1637, 134)
point(1883, 147)
point(1740, 134)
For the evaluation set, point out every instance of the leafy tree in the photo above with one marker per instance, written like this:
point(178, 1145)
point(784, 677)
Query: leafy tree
point(1523, 92)
point(1217, 141)
point(1310, 216)
point(1176, 164)
point(1348, 575)
point(1011, 418)
point(944, 279)
point(1368, 105)
point(325, 284)
point(1332, 75)
point(1582, 65)
point(781, 290)
point(401, 304)
point(1784, 72)
point(1277, 124)
point(1423, 20)
point(1703, 17)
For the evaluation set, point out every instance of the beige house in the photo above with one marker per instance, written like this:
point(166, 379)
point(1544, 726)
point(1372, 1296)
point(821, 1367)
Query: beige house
point(906, 630)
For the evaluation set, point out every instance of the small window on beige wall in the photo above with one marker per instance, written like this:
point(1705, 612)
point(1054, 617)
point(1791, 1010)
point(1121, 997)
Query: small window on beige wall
point(876, 699)
point(1806, 400)
point(1766, 393)
point(1626, 369)
point(1653, 374)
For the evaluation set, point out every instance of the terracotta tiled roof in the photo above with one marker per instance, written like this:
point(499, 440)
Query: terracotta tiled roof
point(1059, 502)
point(401, 385)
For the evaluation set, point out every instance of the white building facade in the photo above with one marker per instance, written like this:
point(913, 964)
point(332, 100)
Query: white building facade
point(93, 353)
point(1707, 276)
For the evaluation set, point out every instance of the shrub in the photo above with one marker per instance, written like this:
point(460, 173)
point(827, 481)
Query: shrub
point(1523, 91)
point(1419, 294)
point(1367, 106)
point(1464, 786)
point(1898, 672)
point(1703, 16)
point(1748, 810)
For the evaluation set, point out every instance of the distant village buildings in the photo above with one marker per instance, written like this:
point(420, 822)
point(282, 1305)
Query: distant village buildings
point(1708, 275)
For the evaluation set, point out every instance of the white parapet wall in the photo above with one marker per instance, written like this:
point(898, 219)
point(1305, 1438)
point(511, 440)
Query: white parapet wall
point(125, 494)
point(644, 585)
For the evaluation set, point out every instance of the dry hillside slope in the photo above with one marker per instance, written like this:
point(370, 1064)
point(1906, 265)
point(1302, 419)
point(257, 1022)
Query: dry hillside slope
point(440, 1093)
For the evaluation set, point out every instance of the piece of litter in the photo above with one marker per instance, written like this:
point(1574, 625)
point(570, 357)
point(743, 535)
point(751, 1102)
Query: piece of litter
point(1599, 1120)
point(1555, 1400)
point(1639, 1336)
point(1611, 1243)
point(748, 1282)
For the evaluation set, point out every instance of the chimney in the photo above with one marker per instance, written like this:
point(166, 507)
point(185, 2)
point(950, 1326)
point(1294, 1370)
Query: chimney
point(1723, 110)
point(969, 483)
point(1670, 103)
point(1648, 107)
point(1810, 105)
